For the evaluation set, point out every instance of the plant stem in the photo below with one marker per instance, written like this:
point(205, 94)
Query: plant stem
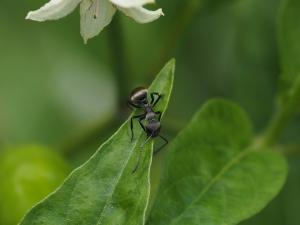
point(186, 13)
point(287, 111)
point(276, 126)
point(291, 150)
point(119, 60)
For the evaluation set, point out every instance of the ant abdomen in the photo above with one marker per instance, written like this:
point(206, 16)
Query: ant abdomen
point(153, 128)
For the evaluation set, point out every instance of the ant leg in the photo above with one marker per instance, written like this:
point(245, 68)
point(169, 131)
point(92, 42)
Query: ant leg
point(153, 101)
point(140, 117)
point(159, 113)
point(139, 157)
point(147, 140)
point(161, 147)
point(132, 106)
point(140, 122)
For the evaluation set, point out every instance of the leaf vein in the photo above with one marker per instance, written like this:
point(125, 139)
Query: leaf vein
point(117, 180)
point(214, 180)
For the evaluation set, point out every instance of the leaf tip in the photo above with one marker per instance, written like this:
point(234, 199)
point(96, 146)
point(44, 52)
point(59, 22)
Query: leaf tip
point(171, 64)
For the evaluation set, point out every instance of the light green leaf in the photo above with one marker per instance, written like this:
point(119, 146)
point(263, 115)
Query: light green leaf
point(104, 190)
point(212, 175)
point(289, 45)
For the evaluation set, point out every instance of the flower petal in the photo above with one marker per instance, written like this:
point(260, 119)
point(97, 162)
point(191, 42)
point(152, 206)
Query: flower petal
point(142, 15)
point(130, 3)
point(94, 16)
point(53, 10)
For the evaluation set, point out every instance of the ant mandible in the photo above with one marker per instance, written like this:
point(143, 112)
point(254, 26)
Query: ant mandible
point(139, 99)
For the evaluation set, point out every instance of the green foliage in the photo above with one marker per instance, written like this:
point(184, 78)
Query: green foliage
point(289, 34)
point(284, 209)
point(104, 190)
point(66, 95)
point(213, 175)
point(289, 45)
point(27, 175)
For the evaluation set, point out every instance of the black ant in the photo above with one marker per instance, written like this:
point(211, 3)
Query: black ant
point(139, 99)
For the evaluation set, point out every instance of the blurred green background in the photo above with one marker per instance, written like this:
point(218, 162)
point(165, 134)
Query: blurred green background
point(59, 93)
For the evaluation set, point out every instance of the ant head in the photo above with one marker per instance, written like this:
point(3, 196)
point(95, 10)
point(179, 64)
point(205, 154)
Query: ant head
point(139, 96)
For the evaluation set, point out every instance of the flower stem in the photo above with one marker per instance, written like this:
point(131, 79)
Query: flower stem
point(119, 60)
point(186, 13)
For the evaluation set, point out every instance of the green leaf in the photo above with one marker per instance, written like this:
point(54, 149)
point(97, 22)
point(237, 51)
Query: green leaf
point(212, 175)
point(104, 190)
point(289, 45)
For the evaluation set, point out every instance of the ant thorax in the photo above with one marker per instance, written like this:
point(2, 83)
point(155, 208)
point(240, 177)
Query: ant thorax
point(150, 115)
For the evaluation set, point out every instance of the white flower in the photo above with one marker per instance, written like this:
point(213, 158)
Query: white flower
point(95, 14)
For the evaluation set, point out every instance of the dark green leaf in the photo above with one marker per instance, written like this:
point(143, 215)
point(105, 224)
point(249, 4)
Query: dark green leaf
point(284, 210)
point(212, 175)
point(104, 190)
